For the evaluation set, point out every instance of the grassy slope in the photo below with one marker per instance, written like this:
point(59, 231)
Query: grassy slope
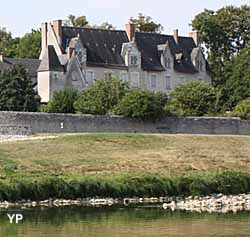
point(117, 154)
point(123, 165)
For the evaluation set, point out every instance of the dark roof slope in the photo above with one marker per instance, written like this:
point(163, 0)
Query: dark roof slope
point(50, 61)
point(148, 42)
point(30, 64)
point(103, 46)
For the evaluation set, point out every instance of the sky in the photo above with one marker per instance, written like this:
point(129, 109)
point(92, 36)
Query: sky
point(20, 16)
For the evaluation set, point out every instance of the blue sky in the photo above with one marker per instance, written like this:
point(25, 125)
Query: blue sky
point(21, 16)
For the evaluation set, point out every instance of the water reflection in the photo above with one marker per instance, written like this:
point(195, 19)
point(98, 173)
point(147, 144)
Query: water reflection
point(121, 222)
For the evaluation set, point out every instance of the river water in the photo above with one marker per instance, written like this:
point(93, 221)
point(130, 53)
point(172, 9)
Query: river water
point(121, 222)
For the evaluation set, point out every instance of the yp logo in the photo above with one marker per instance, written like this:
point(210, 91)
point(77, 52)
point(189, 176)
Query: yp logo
point(15, 218)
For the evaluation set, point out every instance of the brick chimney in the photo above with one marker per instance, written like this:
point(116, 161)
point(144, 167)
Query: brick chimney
point(196, 37)
point(131, 29)
point(57, 25)
point(44, 30)
point(176, 36)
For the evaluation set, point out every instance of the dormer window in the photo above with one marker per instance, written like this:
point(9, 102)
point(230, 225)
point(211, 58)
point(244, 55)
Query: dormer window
point(200, 66)
point(134, 60)
point(168, 63)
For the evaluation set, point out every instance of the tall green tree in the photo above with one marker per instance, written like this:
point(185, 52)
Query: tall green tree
point(237, 86)
point(80, 21)
point(146, 24)
point(16, 91)
point(29, 46)
point(225, 33)
point(5, 40)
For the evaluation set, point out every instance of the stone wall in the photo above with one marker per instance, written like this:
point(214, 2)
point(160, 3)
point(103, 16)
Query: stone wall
point(20, 123)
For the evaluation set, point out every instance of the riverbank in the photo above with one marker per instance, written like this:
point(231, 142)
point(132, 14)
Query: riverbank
point(124, 166)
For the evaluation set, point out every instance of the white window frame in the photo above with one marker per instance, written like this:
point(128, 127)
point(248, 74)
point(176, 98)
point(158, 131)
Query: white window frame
point(135, 80)
point(90, 75)
point(168, 82)
point(124, 76)
point(109, 73)
point(153, 81)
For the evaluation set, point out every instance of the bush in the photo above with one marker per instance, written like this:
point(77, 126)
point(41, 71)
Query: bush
point(142, 104)
point(192, 99)
point(62, 102)
point(242, 110)
point(102, 97)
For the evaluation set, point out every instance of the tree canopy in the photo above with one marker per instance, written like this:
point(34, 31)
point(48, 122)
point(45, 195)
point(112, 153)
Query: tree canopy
point(16, 91)
point(146, 24)
point(225, 33)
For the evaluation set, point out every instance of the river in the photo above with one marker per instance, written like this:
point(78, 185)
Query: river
point(122, 222)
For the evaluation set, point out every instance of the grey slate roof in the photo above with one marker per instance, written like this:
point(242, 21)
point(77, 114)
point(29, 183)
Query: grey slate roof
point(148, 45)
point(50, 61)
point(103, 46)
point(30, 64)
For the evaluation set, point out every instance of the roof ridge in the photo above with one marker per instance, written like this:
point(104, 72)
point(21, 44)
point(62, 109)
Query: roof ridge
point(91, 28)
point(154, 33)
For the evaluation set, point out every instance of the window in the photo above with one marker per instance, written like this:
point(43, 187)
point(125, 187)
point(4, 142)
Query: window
point(124, 76)
point(168, 82)
point(135, 80)
point(168, 63)
point(108, 75)
point(90, 76)
point(200, 65)
point(134, 60)
point(153, 81)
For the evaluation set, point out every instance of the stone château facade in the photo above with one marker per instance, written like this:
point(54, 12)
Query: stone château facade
point(77, 57)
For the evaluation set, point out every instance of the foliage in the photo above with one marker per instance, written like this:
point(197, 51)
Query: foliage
point(41, 188)
point(5, 41)
point(62, 102)
point(101, 97)
point(146, 24)
point(104, 26)
point(142, 104)
point(29, 46)
point(225, 33)
point(242, 110)
point(72, 20)
point(237, 87)
point(16, 91)
point(192, 99)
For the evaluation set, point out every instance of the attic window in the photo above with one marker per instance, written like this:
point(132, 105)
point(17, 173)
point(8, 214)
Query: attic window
point(178, 56)
point(134, 60)
point(168, 63)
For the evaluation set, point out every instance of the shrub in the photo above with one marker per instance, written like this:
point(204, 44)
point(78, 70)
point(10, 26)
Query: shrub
point(192, 99)
point(102, 97)
point(142, 104)
point(62, 102)
point(242, 110)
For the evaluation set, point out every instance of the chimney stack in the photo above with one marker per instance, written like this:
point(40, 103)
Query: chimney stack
point(196, 37)
point(176, 36)
point(131, 29)
point(44, 30)
point(57, 25)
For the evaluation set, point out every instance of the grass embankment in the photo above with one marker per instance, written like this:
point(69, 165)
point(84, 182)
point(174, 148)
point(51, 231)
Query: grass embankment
point(122, 165)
